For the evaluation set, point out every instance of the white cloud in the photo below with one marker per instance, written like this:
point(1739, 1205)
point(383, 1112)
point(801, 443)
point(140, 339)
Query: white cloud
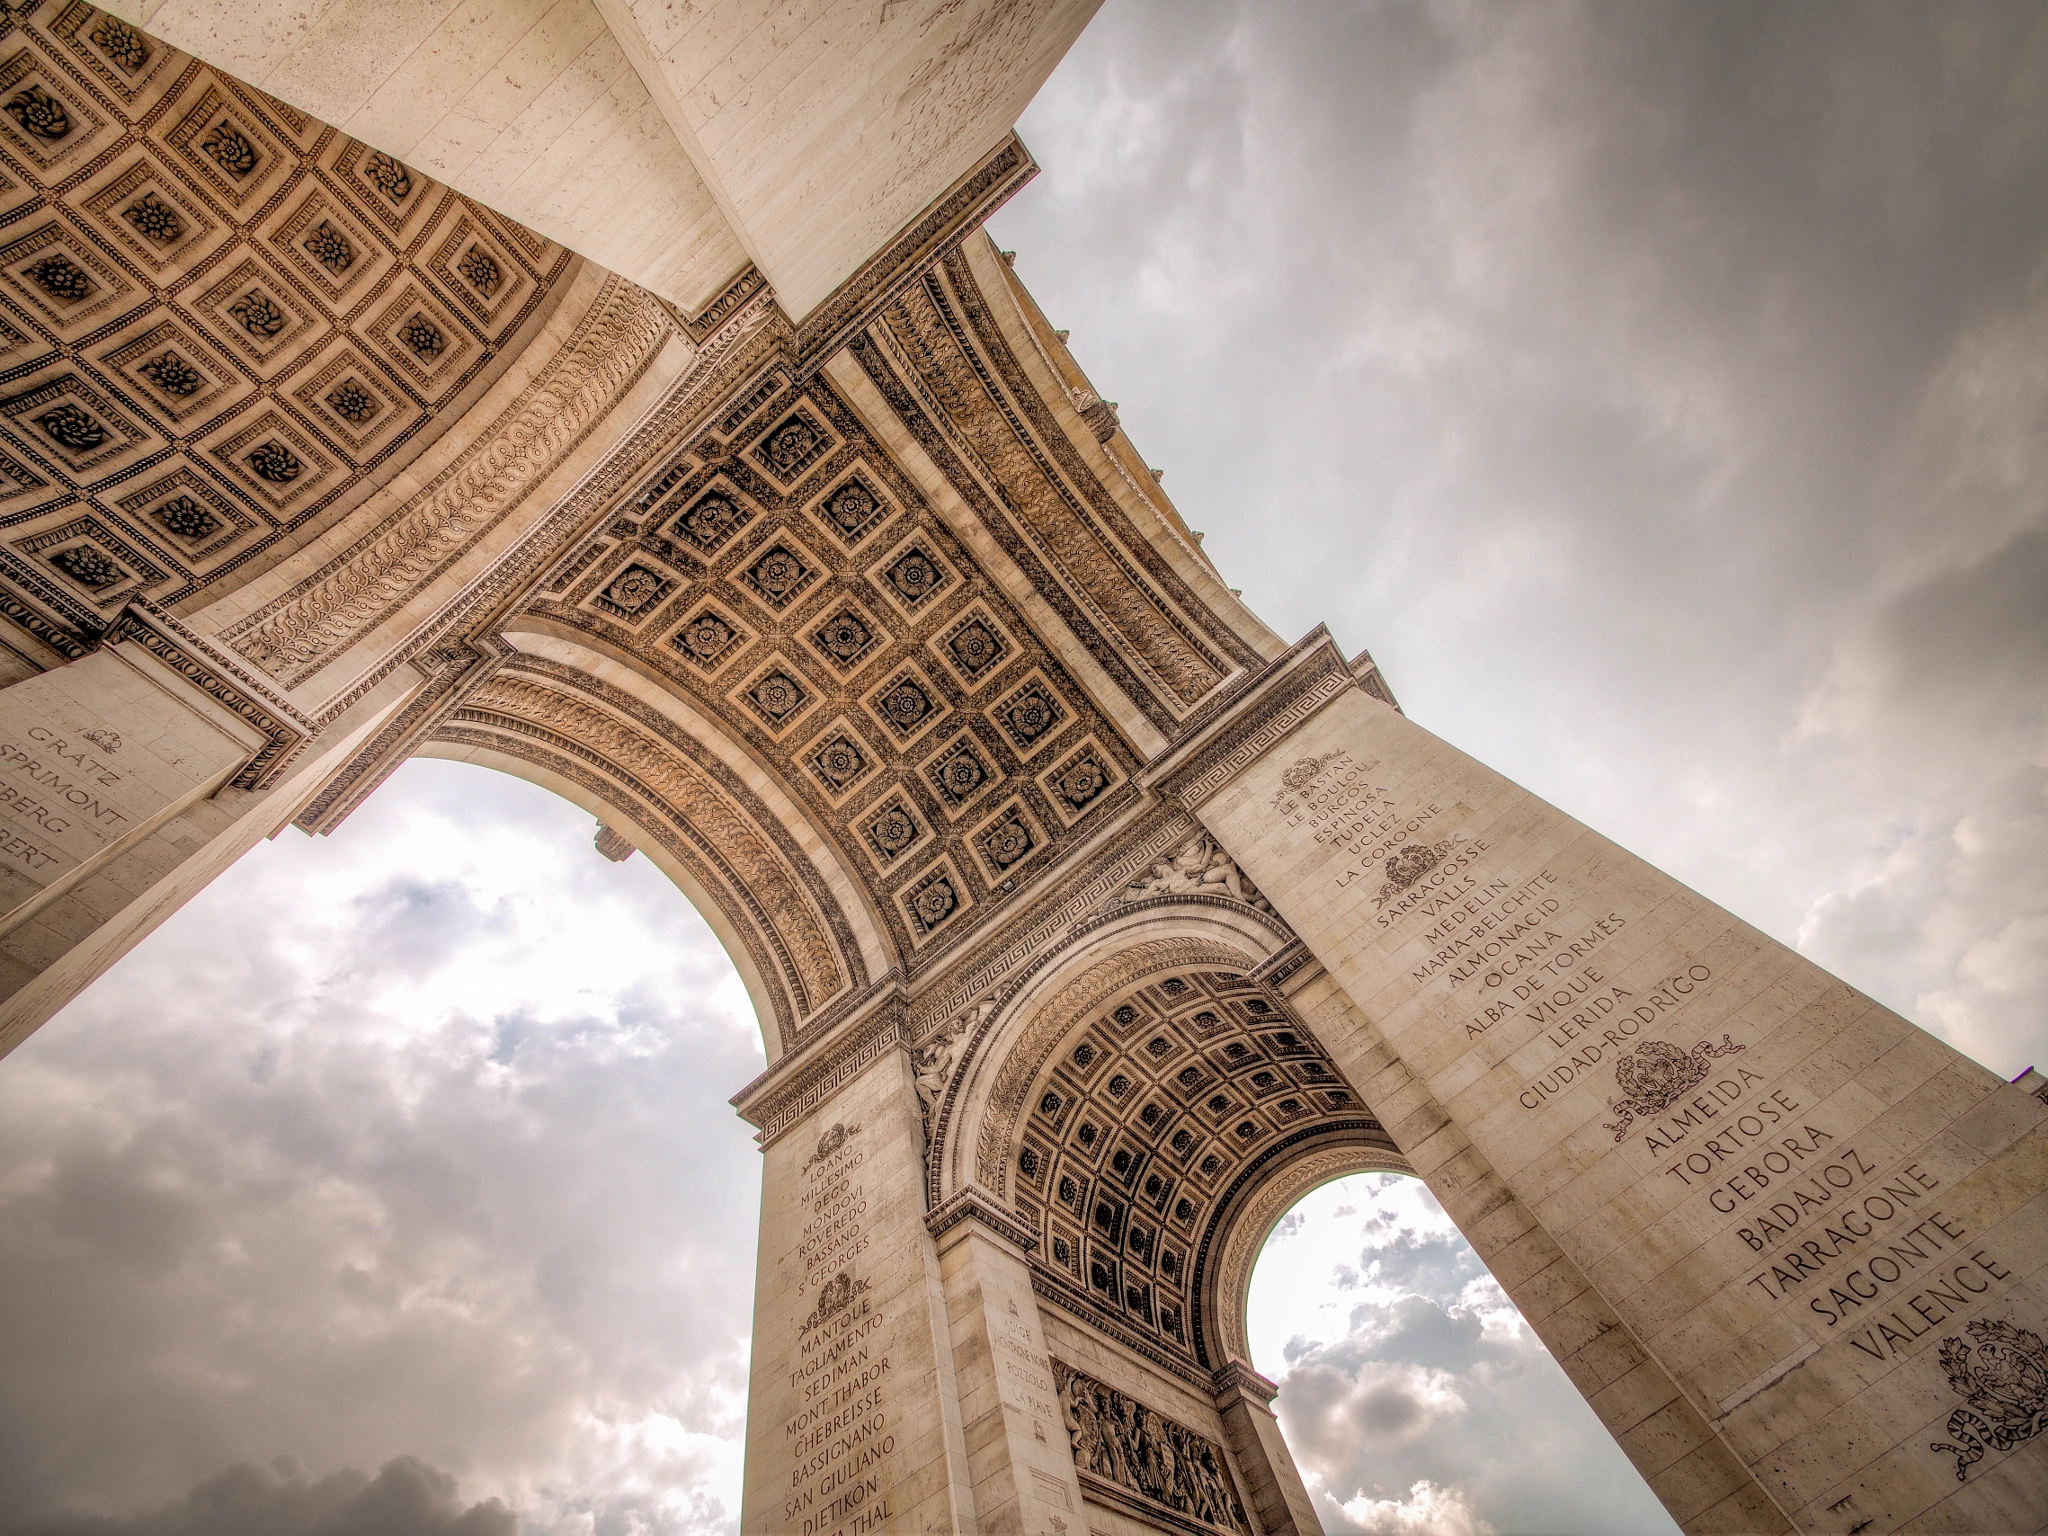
point(1427, 1511)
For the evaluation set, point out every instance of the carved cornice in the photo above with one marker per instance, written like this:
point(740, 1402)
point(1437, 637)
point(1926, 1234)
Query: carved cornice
point(1373, 680)
point(1290, 690)
point(1199, 625)
point(454, 673)
point(705, 322)
point(972, 1205)
point(217, 676)
point(1234, 1377)
point(1049, 1285)
point(953, 215)
point(779, 1099)
point(49, 632)
point(1283, 965)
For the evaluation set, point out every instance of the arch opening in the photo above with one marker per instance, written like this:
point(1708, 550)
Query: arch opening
point(1138, 1121)
point(386, 1122)
point(1413, 1395)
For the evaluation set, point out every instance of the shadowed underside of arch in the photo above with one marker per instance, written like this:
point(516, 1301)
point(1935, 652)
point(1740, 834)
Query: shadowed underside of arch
point(1139, 1119)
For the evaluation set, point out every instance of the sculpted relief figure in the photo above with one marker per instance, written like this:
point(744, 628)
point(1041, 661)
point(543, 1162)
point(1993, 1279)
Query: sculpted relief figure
point(934, 1061)
point(1201, 868)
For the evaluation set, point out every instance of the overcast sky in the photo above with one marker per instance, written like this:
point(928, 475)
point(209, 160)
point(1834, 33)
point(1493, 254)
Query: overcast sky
point(1661, 392)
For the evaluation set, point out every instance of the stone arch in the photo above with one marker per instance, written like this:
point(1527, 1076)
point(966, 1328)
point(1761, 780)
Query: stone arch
point(1005, 1045)
point(1136, 1107)
point(571, 720)
point(1239, 1231)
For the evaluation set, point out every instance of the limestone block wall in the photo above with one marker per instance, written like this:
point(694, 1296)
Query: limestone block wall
point(1824, 1227)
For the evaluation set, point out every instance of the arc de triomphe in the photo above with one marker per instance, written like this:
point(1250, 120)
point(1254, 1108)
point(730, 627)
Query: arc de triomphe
point(623, 396)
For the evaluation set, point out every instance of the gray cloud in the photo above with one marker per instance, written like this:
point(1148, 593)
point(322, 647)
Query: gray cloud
point(345, 1165)
point(406, 1498)
point(1415, 1400)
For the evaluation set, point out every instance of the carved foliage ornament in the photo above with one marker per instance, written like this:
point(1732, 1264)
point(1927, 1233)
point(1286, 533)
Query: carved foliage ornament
point(186, 518)
point(171, 374)
point(830, 1140)
point(388, 177)
point(72, 427)
point(120, 42)
point(39, 113)
point(62, 279)
point(154, 220)
point(274, 462)
point(1120, 1440)
point(229, 149)
point(834, 1297)
point(87, 566)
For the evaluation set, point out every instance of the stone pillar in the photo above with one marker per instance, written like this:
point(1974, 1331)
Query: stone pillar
point(1639, 1405)
point(1272, 1483)
point(1017, 1450)
point(853, 1421)
point(1824, 1228)
point(95, 756)
point(129, 778)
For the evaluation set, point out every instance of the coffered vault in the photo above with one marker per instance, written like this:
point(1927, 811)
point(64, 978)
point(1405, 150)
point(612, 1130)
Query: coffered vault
point(623, 396)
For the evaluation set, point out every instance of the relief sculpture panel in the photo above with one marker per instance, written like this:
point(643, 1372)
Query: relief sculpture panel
point(1121, 1443)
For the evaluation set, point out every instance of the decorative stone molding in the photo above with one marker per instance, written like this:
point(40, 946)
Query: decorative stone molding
point(218, 677)
point(1266, 1187)
point(1175, 667)
point(1372, 680)
point(1283, 965)
point(1292, 689)
point(972, 1205)
point(453, 673)
point(1234, 1376)
point(750, 282)
point(613, 344)
point(779, 1100)
point(741, 349)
